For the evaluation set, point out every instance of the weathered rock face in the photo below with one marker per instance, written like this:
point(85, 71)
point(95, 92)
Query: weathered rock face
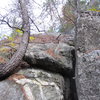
point(50, 56)
point(88, 52)
point(88, 31)
point(57, 57)
point(49, 76)
point(30, 84)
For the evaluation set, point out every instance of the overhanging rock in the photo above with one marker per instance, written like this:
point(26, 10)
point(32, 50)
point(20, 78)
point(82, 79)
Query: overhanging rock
point(50, 56)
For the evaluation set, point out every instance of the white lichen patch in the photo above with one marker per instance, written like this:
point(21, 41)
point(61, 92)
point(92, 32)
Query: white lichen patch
point(28, 92)
point(40, 83)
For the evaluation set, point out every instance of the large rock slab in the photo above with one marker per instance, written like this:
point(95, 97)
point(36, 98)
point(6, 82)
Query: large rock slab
point(47, 53)
point(32, 84)
point(88, 56)
point(50, 56)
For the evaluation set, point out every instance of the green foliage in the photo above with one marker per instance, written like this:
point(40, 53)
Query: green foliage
point(68, 13)
point(32, 38)
point(66, 27)
point(68, 17)
point(19, 31)
point(50, 29)
point(12, 44)
point(10, 38)
point(92, 5)
point(7, 37)
point(95, 5)
point(94, 9)
point(16, 32)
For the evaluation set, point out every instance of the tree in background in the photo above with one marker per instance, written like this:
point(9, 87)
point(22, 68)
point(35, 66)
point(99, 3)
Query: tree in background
point(69, 10)
point(94, 4)
point(68, 17)
point(51, 8)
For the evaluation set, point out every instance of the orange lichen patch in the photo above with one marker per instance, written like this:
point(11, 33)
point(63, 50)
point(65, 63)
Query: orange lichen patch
point(16, 76)
point(41, 38)
point(50, 38)
point(51, 52)
point(2, 60)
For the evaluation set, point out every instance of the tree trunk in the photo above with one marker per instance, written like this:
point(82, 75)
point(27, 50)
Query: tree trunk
point(11, 65)
point(77, 6)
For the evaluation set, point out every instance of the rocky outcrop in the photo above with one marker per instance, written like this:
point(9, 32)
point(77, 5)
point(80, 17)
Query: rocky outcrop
point(31, 84)
point(47, 76)
point(51, 67)
point(88, 54)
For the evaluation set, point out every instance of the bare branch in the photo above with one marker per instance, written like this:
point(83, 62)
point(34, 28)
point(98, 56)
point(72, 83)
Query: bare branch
point(71, 4)
point(7, 22)
point(36, 3)
point(70, 19)
point(58, 36)
point(34, 24)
